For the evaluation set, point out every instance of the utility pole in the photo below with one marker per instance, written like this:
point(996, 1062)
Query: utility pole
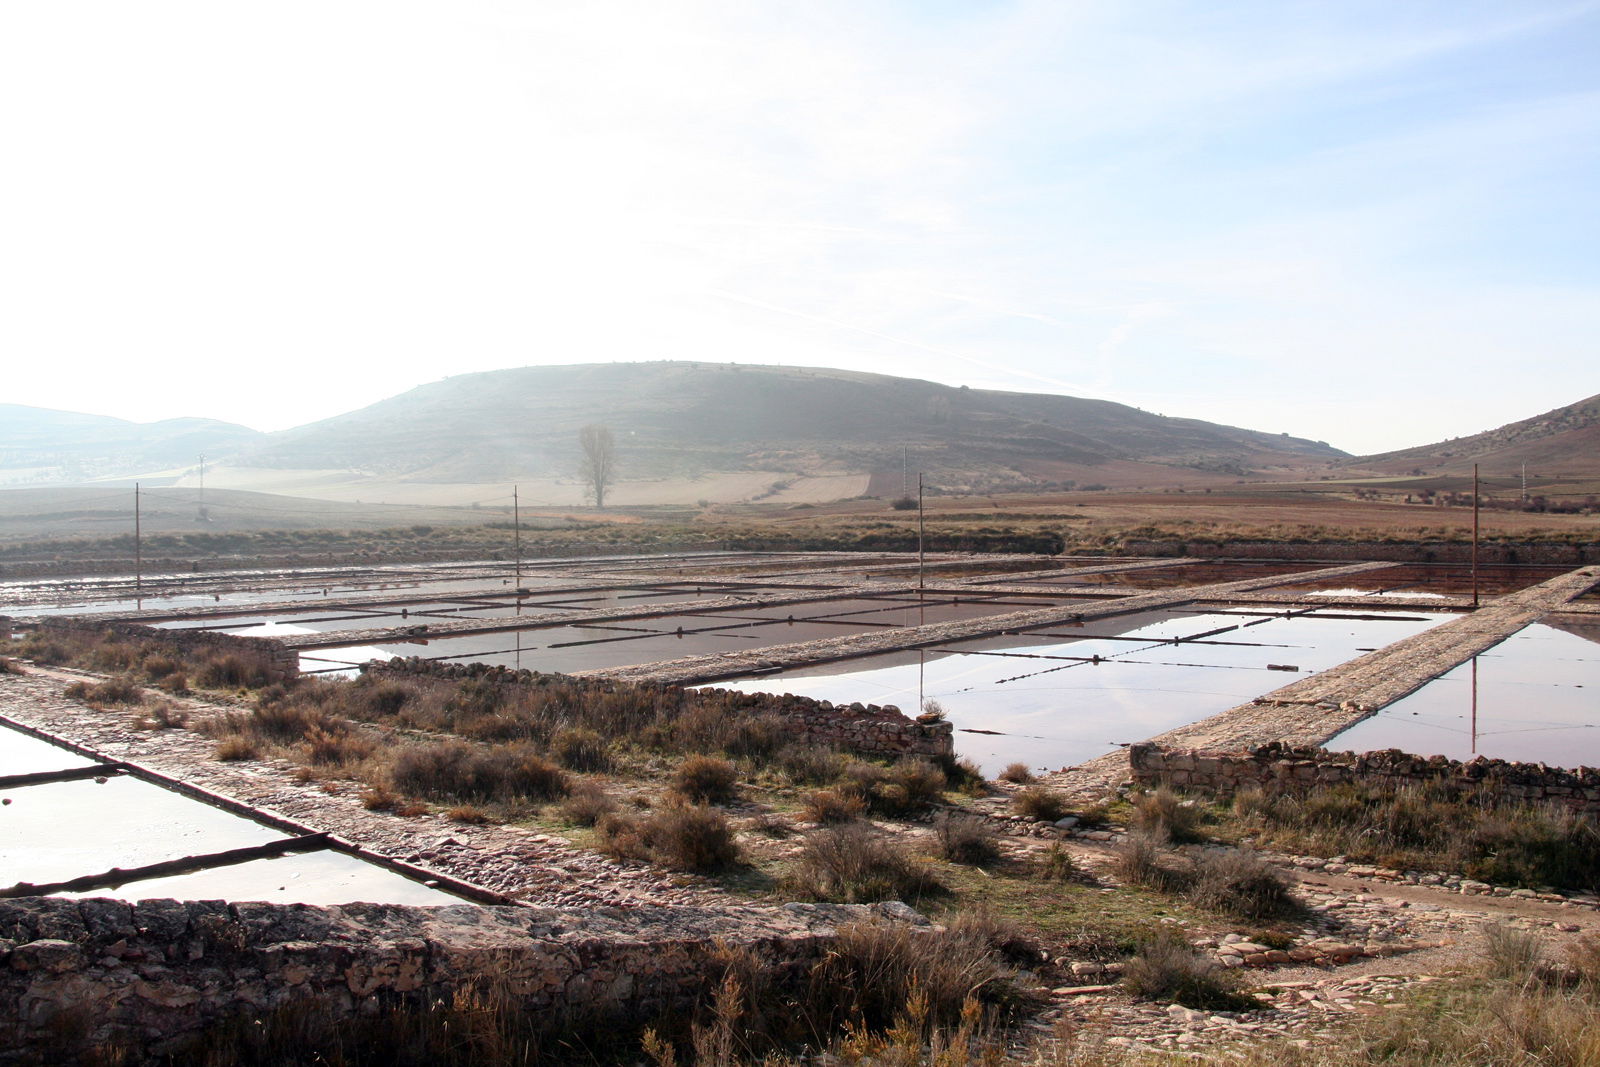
point(138, 551)
point(919, 535)
point(203, 516)
point(905, 477)
point(516, 538)
point(1524, 483)
point(1474, 535)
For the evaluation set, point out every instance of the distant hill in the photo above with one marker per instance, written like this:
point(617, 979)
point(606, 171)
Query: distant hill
point(1558, 447)
point(681, 420)
point(40, 446)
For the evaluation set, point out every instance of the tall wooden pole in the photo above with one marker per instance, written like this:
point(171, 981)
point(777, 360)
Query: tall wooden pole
point(919, 535)
point(1474, 535)
point(516, 538)
point(138, 549)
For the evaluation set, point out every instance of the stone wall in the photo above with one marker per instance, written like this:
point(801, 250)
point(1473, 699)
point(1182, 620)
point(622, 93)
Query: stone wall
point(279, 658)
point(1566, 555)
point(1280, 767)
point(85, 972)
point(866, 728)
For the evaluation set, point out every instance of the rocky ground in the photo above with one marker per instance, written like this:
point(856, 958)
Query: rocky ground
point(1368, 934)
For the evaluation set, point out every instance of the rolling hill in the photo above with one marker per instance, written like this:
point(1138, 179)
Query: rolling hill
point(1560, 448)
point(39, 446)
point(676, 420)
point(684, 431)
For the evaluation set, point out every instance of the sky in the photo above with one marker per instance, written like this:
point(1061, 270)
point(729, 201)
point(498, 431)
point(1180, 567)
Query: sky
point(1368, 223)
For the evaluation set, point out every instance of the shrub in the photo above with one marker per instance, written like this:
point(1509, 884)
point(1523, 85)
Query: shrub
point(454, 770)
point(379, 797)
point(1017, 773)
point(234, 670)
point(1056, 865)
point(237, 747)
point(690, 837)
point(1144, 860)
point(809, 764)
point(873, 971)
point(852, 864)
point(119, 690)
point(1240, 883)
point(1511, 953)
point(830, 807)
point(338, 747)
point(706, 779)
point(1161, 812)
point(1169, 970)
point(468, 814)
point(1037, 802)
point(579, 748)
point(965, 839)
point(162, 715)
point(586, 804)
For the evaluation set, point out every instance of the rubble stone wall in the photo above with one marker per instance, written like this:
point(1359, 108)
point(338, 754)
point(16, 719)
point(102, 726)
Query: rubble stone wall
point(98, 970)
point(865, 728)
point(1281, 767)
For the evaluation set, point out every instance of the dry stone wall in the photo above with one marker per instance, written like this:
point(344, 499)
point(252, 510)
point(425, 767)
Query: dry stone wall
point(882, 730)
point(105, 971)
point(1277, 767)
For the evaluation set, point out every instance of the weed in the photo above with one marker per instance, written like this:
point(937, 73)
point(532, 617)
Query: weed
point(235, 748)
point(119, 690)
point(1162, 812)
point(579, 748)
point(853, 864)
point(1511, 953)
point(586, 804)
point(1240, 883)
point(690, 837)
point(1037, 802)
point(1017, 773)
point(830, 807)
point(965, 839)
point(1142, 859)
point(454, 770)
point(1169, 970)
point(1057, 864)
point(706, 779)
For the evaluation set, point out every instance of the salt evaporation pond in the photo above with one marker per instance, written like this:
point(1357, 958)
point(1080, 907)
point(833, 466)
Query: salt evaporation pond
point(1536, 696)
point(59, 831)
point(1043, 700)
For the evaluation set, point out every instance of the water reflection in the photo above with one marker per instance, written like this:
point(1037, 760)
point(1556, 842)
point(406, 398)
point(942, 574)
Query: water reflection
point(1535, 697)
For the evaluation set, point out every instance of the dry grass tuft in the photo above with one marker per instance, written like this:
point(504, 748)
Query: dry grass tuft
point(853, 864)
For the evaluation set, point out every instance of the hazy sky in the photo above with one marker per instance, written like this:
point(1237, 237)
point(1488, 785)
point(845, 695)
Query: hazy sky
point(1366, 222)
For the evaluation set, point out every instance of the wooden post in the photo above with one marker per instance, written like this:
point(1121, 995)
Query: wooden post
point(138, 551)
point(919, 535)
point(1474, 535)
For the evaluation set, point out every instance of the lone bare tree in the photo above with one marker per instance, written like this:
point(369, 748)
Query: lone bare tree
point(599, 463)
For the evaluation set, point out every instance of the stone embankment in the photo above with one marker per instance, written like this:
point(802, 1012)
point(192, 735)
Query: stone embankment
point(147, 974)
point(1278, 767)
point(873, 729)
